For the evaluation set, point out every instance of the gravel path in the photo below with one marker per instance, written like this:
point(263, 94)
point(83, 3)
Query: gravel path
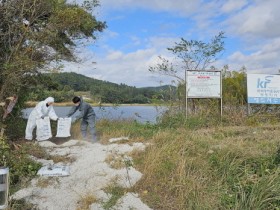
point(89, 175)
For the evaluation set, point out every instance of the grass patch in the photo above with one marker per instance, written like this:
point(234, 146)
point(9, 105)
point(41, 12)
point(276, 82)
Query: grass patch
point(134, 130)
point(116, 193)
point(232, 176)
point(30, 148)
point(115, 161)
point(22, 167)
point(44, 182)
point(85, 201)
point(62, 159)
point(20, 205)
point(201, 164)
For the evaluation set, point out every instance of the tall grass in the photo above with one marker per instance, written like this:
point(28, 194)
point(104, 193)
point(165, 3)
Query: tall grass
point(206, 162)
point(213, 168)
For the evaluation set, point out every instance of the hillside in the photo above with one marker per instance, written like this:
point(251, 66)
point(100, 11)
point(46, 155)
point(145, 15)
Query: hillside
point(64, 85)
point(78, 82)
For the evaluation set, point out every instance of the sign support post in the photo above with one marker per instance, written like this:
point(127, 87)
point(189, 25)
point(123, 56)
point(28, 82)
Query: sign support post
point(186, 83)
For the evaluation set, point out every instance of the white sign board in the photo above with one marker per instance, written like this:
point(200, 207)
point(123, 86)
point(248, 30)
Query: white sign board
point(263, 89)
point(203, 84)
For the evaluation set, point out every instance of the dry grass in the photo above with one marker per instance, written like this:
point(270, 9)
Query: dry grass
point(76, 131)
point(115, 161)
point(35, 150)
point(62, 159)
point(198, 169)
point(44, 182)
point(85, 201)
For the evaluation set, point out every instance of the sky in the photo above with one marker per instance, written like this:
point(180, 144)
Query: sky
point(141, 30)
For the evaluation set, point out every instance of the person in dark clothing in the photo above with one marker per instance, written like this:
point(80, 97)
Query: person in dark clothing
point(87, 115)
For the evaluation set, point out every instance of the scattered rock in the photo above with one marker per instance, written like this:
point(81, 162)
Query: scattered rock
point(210, 151)
point(131, 201)
point(118, 139)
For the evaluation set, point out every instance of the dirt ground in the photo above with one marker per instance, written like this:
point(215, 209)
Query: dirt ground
point(90, 174)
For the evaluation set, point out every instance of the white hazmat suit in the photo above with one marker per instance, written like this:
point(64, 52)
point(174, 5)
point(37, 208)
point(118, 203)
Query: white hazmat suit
point(41, 110)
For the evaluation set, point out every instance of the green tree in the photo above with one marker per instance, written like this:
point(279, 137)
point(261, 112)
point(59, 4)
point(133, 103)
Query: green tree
point(34, 33)
point(234, 87)
point(189, 55)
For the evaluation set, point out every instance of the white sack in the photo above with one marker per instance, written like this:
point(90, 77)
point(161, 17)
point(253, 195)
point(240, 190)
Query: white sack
point(43, 130)
point(54, 171)
point(63, 127)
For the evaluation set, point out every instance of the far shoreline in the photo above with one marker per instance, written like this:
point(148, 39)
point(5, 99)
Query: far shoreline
point(60, 104)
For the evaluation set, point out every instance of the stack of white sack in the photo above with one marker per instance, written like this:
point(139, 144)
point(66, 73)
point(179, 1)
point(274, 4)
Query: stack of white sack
point(44, 128)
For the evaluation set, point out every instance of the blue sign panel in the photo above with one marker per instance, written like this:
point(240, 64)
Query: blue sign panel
point(263, 89)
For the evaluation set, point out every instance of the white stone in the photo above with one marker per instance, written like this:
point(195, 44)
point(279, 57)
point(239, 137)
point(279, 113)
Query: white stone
point(118, 139)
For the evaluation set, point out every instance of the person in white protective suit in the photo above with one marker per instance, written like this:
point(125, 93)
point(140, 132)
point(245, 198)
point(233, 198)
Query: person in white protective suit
point(42, 109)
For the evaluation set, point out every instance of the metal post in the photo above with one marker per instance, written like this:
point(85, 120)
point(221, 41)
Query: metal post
point(186, 94)
point(221, 91)
point(248, 104)
point(4, 187)
point(248, 108)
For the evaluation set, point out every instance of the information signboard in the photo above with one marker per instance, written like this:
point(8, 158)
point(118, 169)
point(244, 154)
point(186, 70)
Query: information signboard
point(263, 89)
point(203, 84)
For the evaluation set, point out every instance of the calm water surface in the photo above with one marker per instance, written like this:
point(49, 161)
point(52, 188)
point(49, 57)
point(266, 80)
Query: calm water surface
point(142, 114)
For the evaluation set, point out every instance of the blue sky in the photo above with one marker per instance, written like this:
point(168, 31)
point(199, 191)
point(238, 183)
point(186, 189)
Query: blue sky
point(140, 30)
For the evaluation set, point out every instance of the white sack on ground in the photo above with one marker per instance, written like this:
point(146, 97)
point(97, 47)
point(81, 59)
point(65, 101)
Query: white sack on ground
point(43, 129)
point(63, 127)
point(54, 170)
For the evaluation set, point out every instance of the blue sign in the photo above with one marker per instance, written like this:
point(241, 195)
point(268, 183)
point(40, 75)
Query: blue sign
point(263, 89)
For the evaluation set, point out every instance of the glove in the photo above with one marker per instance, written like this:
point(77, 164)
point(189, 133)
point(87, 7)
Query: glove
point(73, 120)
point(42, 117)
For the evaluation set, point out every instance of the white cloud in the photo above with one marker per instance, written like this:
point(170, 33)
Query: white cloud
point(114, 55)
point(265, 60)
point(119, 67)
point(181, 7)
point(233, 5)
point(161, 43)
point(131, 68)
point(260, 19)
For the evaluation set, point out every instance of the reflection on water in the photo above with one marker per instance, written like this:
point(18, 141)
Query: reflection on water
point(140, 113)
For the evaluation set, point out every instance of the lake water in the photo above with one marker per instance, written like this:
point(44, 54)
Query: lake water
point(142, 114)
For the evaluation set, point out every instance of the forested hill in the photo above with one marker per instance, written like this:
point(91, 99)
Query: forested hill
point(67, 83)
point(78, 82)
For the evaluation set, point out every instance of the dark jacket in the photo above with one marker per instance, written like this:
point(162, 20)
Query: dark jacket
point(86, 110)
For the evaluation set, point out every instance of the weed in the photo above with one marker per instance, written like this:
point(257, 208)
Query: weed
point(35, 150)
point(115, 161)
point(21, 205)
point(21, 166)
point(44, 182)
point(116, 193)
point(136, 131)
point(85, 201)
point(199, 164)
point(63, 159)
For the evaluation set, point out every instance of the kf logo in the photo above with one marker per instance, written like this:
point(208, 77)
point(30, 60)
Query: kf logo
point(263, 83)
